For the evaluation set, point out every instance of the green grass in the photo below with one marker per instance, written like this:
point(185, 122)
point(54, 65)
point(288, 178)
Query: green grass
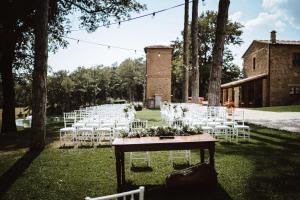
point(152, 116)
point(292, 108)
point(265, 168)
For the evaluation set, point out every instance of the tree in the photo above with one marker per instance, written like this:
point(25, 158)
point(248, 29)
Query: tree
point(214, 90)
point(195, 63)
point(185, 68)
point(207, 27)
point(39, 80)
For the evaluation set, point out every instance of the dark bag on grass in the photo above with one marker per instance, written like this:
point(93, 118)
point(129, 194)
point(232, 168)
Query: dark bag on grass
point(198, 176)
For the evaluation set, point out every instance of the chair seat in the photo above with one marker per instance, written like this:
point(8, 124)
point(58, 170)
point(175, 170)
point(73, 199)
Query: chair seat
point(222, 127)
point(85, 129)
point(67, 129)
point(103, 129)
point(206, 128)
point(242, 126)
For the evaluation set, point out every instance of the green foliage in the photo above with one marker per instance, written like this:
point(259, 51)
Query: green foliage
point(96, 85)
point(163, 131)
point(207, 27)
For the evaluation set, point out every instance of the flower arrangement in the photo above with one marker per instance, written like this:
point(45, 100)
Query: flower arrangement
point(162, 131)
point(184, 110)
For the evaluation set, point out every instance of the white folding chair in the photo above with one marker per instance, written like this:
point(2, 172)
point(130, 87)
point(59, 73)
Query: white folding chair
point(68, 133)
point(124, 195)
point(105, 130)
point(239, 127)
point(179, 154)
point(135, 127)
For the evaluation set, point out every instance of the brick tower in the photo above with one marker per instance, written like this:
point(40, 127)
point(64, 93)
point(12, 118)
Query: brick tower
point(158, 68)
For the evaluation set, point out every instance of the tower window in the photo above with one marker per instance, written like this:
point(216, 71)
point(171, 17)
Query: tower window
point(254, 63)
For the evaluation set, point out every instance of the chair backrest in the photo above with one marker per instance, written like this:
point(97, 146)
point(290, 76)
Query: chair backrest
point(137, 126)
point(139, 192)
point(238, 116)
point(177, 123)
point(69, 119)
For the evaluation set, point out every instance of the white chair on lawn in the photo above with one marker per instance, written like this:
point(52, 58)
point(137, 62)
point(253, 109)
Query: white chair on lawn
point(222, 130)
point(105, 130)
point(179, 154)
point(135, 127)
point(68, 133)
point(124, 195)
point(239, 127)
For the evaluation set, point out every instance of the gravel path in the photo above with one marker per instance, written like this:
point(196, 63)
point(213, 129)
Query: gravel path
point(289, 121)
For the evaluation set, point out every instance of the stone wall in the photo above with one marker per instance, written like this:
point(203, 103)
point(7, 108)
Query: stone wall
point(258, 51)
point(159, 73)
point(283, 74)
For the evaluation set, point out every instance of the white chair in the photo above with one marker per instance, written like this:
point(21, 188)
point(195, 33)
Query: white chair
point(68, 133)
point(185, 154)
point(124, 195)
point(105, 130)
point(239, 127)
point(135, 127)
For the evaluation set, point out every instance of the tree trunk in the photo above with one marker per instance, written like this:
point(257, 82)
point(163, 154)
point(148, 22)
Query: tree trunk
point(39, 90)
point(214, 90)
point(8, 112)
point(195, 64)
point(185, 88)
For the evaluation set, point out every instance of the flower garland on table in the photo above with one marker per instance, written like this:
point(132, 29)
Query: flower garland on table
point(162, 131)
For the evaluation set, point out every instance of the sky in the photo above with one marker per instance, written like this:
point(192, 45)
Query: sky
point(259, 18)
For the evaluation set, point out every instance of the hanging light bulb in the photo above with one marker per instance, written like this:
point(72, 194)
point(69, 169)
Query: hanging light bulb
point(108, 47)
point(153, 15)
point(135, 51)
point(119, 24)
point(203, 3)
point(158, 54)
point(77, 41)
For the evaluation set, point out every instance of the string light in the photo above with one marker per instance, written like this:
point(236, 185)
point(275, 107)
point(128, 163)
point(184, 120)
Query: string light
point(153, 15)
point(103, 45)
point(138, 17)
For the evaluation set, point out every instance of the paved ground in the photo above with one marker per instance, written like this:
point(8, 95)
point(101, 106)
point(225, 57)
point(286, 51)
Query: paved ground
point(289, 121)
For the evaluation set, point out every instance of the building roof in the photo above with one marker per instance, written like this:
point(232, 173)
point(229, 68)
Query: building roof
point(241, 81)
point(286, 42)
point(280, 42)
point(157, 47)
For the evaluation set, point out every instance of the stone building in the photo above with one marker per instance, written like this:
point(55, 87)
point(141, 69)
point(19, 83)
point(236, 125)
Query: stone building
point(158, 68)
point(272, 69)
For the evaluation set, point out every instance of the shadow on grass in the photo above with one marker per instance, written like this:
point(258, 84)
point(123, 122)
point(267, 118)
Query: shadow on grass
point(141, 169)
point(160, 192)
point(15, 171)
point(180, 166)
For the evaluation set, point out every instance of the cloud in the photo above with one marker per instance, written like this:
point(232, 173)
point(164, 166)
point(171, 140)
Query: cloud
point(277, 14)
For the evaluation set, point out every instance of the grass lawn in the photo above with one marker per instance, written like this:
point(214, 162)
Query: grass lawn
point(267, 167)
point(292, 108)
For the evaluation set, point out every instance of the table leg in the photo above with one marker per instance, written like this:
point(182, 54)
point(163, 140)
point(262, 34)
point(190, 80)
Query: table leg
point(212, 155)
point(122, 167)
point(118, 167)
point(202, 155)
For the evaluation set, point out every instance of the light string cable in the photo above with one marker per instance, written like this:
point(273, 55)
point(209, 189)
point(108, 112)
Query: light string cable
point(137, 17)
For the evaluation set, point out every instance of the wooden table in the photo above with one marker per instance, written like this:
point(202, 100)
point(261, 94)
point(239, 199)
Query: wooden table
point(202, 141)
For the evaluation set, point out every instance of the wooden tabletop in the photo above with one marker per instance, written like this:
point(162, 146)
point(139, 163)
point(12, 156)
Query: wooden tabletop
point(205, 137)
